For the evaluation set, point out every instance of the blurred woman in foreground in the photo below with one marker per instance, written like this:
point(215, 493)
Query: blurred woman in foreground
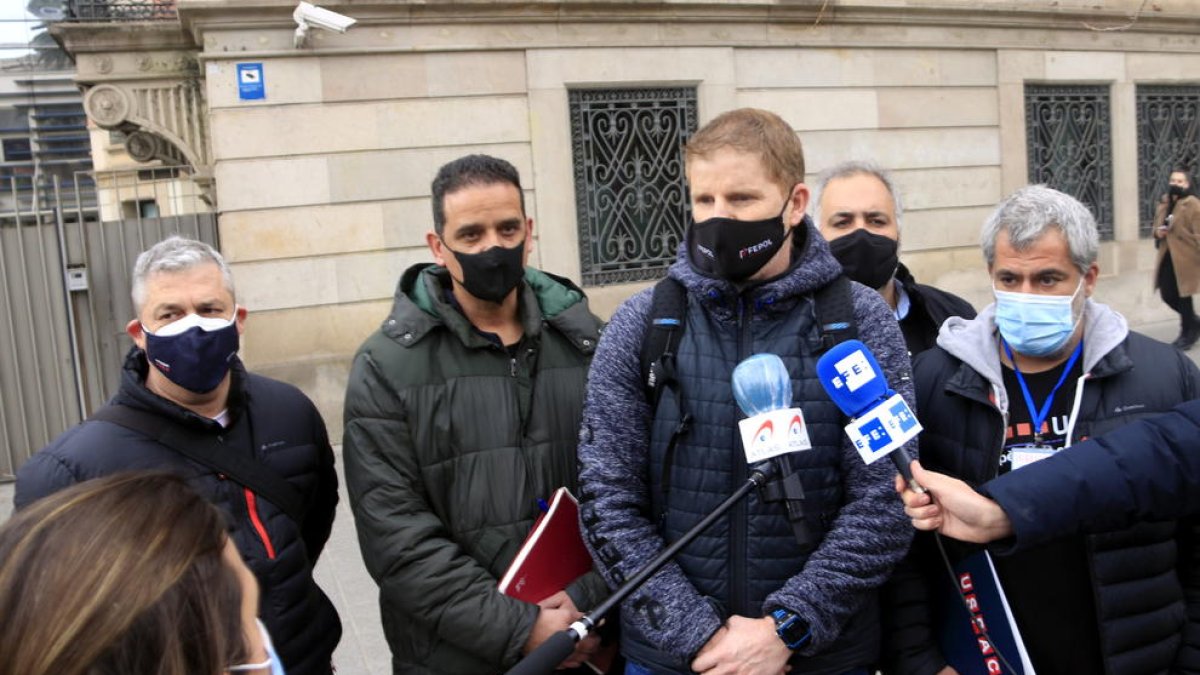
point(130, 574)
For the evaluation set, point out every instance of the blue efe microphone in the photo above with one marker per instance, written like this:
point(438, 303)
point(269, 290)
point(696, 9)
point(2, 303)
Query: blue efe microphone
point(881, 421)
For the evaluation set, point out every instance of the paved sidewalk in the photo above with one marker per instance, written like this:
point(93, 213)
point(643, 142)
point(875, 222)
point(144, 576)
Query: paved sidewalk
point(363, 651)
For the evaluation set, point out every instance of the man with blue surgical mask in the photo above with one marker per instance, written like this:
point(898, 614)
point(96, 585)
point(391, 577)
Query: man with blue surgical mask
point(1041, 368)
point(255, 447)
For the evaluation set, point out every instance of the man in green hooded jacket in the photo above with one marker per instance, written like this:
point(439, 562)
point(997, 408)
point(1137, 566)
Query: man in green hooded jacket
point(462, 412)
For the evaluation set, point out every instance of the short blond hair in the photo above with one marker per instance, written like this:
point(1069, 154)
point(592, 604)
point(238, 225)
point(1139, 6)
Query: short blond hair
point(758, 132)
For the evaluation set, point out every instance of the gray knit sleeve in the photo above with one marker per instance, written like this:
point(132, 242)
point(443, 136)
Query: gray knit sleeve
point(614, 487)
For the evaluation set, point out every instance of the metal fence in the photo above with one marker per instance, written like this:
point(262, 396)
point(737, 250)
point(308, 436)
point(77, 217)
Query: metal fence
point(38, 397)
point(65, 274)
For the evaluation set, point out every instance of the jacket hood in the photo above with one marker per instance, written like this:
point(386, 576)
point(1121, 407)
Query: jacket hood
point(420, 305)
point(813, 267)
point(973, 341)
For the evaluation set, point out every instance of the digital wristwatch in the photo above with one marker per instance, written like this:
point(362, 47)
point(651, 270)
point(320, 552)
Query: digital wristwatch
point(791, 628)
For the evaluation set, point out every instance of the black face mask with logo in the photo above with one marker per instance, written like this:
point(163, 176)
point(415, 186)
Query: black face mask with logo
point(735, 249)
point(490, 275)
point(866, 257)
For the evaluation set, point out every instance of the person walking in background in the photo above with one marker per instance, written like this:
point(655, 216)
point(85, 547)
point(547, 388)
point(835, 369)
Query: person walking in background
point(129, 574)
point(1177, 237)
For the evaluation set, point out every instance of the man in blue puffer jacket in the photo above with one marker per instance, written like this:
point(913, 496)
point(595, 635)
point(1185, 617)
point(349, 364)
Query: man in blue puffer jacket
point(746, 594)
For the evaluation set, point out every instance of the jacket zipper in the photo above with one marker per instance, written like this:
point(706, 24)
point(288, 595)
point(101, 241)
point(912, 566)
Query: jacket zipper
point(993, 469)
point(256, 521)
point(531, 486)
point(737, 520)
point(1089, 541)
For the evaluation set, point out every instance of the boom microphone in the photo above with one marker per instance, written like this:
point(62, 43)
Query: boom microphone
point(763, 387)
point(881, 421)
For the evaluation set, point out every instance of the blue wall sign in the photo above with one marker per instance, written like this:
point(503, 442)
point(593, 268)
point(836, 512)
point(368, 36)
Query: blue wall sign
point(250, 82)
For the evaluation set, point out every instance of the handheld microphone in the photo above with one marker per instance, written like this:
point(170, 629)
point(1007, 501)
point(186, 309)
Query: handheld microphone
point(763, 390)
point(766, 388)
point(881, 421)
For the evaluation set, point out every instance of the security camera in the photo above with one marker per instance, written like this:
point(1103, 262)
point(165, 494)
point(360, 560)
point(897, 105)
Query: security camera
point(308, 15)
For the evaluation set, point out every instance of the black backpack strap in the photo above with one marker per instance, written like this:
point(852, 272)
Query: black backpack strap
point(242, 469)
point(834, 306)
point(664, 330)
point(834, 310)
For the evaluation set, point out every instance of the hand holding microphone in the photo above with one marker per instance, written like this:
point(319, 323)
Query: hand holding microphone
point(881, 421)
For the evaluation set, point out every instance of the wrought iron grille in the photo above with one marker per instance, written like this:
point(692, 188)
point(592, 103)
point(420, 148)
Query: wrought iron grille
point(121, 10)
point(630, 198)
point(1168, 123)
point(1067, 135)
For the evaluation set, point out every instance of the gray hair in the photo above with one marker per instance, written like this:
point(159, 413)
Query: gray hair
point(856, 167)
point(1026, 215)
point(172, 255)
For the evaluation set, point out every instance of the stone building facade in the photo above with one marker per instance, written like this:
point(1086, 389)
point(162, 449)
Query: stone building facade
point(322, 185)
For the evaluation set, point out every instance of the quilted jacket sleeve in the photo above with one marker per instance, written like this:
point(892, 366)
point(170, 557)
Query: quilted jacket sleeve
point(614, 495)
point(1146, 470)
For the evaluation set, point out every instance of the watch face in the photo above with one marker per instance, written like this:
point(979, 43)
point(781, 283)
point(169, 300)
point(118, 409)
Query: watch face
point(790, 628)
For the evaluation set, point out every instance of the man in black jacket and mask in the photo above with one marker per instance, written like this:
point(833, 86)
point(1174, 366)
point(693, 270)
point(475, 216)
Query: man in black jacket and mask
point(858, 211)
point(255, 447)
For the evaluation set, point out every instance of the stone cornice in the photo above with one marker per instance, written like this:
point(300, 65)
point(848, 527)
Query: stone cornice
point(1160, 15)
point(1162, 26)
point(100, 37)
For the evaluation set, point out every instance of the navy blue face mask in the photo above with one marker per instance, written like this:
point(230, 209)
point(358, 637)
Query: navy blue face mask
point(193, 352)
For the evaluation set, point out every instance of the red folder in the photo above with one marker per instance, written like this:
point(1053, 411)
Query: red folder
point(552, 556)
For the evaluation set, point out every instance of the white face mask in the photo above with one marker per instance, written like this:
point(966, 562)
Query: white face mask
point(272, 665)
point(206, 324)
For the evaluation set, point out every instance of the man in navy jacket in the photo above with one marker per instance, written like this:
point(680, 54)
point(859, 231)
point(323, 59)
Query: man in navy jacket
point(184, 374)
point(1147, 470)
point(747, 594)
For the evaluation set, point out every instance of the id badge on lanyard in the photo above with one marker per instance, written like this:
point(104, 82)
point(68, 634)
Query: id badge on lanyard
point(1022, 457)
point(1026, 455)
